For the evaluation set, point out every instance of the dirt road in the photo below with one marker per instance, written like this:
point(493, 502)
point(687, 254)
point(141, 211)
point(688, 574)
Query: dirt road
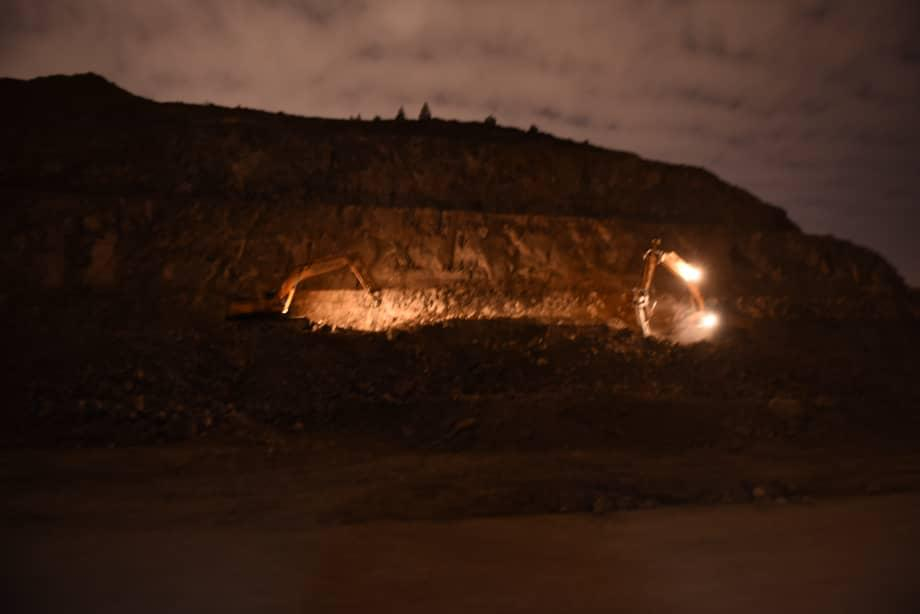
point(853, 555)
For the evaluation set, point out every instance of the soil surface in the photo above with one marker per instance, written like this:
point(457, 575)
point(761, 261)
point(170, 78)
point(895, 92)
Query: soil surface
point(852, 555)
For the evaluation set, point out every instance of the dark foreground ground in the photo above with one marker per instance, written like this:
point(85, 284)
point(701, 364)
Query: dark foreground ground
point(162, 462)
point(349, 525)
point(847, 555)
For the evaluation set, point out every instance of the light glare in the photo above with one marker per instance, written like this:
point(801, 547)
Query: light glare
point(688, 272)
point(709, 320)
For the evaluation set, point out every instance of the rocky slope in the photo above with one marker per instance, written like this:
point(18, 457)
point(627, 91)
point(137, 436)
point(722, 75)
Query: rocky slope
point(106, 192)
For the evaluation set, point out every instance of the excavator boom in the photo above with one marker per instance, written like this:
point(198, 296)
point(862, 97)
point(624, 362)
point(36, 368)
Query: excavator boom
point(281, 300)
point(691, 275)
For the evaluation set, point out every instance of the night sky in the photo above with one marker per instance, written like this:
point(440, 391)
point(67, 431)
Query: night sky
point(812, 105)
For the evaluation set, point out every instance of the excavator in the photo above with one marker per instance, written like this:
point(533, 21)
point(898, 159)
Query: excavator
point(280, 301)
point(643, 300)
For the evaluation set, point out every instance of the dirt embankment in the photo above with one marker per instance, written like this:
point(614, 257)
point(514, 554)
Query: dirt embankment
point(132, 224)
point(197, 204)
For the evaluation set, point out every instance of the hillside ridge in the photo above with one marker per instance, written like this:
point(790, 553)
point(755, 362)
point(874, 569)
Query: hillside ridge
point(198, 203)
point(437, 163)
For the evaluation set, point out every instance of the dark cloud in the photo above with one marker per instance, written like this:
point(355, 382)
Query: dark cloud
point(808, 103)
point(818, 11)
point(578, 121)
point(696, 95)
point(548, 113)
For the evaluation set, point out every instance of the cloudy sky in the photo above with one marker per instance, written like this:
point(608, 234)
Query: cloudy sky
point(810, 104)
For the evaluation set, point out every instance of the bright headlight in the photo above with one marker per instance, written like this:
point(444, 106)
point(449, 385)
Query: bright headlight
point(709, 320)
point(689, 272)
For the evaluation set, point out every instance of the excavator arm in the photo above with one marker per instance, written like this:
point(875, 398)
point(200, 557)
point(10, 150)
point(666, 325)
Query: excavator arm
point(690, 274)
point(285, 294)
point(281, 300)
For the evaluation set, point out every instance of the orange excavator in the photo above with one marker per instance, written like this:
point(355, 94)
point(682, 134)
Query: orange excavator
point(642, 296)
point(643, 301)
point(280, 301)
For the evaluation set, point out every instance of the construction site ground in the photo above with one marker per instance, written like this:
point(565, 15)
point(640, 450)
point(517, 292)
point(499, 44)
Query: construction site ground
point(277, 428)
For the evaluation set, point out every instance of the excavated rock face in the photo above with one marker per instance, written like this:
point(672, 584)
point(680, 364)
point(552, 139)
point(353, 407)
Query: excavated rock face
point(198, 204)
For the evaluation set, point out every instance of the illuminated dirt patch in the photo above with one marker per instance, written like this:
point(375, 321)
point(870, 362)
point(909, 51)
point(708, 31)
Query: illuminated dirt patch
point(680, 322)
point(357, 310)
